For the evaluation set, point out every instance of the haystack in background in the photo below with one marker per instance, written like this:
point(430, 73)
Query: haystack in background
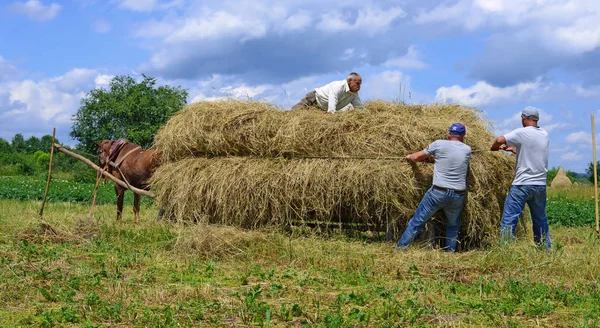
point(561, 180)
point(246, 164)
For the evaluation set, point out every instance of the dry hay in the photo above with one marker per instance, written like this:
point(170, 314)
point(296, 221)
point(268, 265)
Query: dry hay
point(45, 233)
point(87, 228)
point(255, 128)
point(213, 241)
point(241, 163)
point(561, 179)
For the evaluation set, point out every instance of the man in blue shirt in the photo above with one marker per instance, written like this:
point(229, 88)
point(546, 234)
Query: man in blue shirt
point(451, 158)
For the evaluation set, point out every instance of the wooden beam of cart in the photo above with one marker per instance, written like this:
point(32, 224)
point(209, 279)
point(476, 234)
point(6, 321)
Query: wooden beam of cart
point(106, 174)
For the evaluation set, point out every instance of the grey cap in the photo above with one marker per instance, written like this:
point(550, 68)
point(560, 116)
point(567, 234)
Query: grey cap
point(531, 113)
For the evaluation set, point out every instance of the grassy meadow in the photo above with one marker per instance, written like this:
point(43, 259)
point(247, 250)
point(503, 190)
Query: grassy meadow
point(65, 270)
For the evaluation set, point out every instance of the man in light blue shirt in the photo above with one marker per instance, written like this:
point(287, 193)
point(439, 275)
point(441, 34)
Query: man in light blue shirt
point(530, 143)
point(452, 159)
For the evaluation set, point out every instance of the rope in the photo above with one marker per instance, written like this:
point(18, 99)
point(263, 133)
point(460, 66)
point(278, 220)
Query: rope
point(386, 158)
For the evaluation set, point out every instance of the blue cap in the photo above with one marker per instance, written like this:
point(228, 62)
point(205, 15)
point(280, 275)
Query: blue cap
point(457, 128)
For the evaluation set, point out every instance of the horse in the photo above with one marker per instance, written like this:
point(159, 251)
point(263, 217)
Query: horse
point(130, 163)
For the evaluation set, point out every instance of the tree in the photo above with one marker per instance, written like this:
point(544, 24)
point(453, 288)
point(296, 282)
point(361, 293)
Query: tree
point(5, 147)
point(46, 143)
point(127, 109)
point(590, 170)
point(18, 143)
point(32, 144)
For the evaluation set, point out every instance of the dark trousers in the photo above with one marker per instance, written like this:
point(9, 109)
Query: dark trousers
point(310, 100)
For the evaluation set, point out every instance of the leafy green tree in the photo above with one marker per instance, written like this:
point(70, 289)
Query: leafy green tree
point(32, 144)
point(18, 143)
point(127, 109)
point(590, 171)
point(46, 143)
point(5, 147)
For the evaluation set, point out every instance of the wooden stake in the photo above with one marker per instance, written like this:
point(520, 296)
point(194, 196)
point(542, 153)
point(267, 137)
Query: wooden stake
point(595, 173)
point(106, 174)
point(49, 172)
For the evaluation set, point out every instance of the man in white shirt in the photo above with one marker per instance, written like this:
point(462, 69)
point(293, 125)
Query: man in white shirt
point(335, 97)
point(530, 143)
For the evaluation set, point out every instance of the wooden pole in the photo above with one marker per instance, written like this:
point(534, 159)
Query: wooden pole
point(49, 172)
point(595, 173)
point(106, 174)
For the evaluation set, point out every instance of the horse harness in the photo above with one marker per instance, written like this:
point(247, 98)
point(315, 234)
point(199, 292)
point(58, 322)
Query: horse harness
point(115, 149)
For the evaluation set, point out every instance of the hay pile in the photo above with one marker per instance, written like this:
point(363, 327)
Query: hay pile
point(561, 179)
point(250, 164)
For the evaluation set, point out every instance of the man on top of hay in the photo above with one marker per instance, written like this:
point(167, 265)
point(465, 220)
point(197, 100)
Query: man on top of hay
point(335, 97)
point(530, 143)
point(452, 159)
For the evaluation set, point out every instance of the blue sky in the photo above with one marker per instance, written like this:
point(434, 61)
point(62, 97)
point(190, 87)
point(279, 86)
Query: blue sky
point(498, 56)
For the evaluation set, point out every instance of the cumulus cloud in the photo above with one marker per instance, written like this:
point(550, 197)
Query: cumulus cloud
point(149, 5)
point(271, 41)
point(411, 60)
point(49, 102)
point(572, 156)
point(371, 20)
point(482, 93)
point(527, 38)
point(579, 137)
point(36, 10)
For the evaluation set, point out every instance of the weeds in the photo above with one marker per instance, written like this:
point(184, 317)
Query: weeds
point(163, 275)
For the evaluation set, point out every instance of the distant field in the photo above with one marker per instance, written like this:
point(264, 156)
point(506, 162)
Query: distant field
point(61, 190)
point(94, 273)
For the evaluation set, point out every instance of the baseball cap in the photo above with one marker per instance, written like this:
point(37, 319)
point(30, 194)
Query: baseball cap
point(457, 128)
point(531, 112)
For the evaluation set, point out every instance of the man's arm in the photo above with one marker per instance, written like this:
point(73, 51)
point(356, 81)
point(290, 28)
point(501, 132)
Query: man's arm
point(332, 101)
point(418, 157)
point(500, 144)
point(356, 102)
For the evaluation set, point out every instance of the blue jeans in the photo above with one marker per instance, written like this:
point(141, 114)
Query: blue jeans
point(434, 200)
point(535, 197)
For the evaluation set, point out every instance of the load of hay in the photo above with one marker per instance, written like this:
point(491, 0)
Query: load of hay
point(250, 164)
point(561, 180)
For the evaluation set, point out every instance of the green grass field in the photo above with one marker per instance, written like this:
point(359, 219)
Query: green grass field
point(101, 273)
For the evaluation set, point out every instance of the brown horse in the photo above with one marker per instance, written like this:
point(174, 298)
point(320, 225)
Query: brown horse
point(130, 163)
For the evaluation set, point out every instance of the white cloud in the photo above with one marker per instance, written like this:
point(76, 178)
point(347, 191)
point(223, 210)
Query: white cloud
point(217, 25)
point(244, 91)
point(371, 20)
point(564, 26)
point(385, 85)
point(47, 102)
point(482, 93)
point(36, 10)
point(298, 21)
point(572, 156)
point(149, 5)
point(103, 80)
point(408, 61)
point(101, 26)
point(579, 137)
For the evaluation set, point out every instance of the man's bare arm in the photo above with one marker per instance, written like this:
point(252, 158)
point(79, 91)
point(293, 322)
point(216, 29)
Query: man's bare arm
point(418, 157)
point(500, 144)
